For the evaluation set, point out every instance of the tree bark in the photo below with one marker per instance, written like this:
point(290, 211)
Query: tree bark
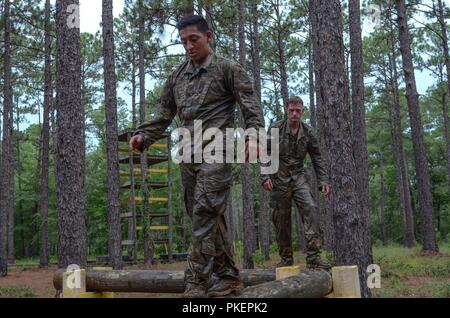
point(382, 201)
point(420, 160)
point(307, 284)
point(441, 19)
point(43, 250)
point(281, 55)
point(264, 234)
point(397, 144)
point(359, 126)
point(329, 236)
point(109, 75)
point(152, 281)
point(351, 245)
point(248, 212)
point(6, 199)
point(70, 145)
point(230, 217)
point(313, 120)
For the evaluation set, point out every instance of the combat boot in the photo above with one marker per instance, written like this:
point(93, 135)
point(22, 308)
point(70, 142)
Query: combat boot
point(195, 291)
point(225, 286)
point(285, 262)
point(317, 263)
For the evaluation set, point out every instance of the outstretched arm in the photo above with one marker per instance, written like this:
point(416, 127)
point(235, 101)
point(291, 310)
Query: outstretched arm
point(152, 130)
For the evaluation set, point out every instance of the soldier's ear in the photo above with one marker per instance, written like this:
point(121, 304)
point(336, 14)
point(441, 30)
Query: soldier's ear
point(209, 36)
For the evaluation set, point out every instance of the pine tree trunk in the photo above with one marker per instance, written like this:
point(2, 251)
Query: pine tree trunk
point(264, 235)
point(420, 160)
point(443, 25)
point(11, 186)
point(43, 250)
point(230, 217)
point(6, 199)
point(351, 245)
point(148, 253)
point(248, 213)
point(359, 127)
point(70, 146)
point(281, 50)
point(329, 236)
point(398, 149)
point(382, 202)
point(313, 120)
point(109, 75)
point(209, 20)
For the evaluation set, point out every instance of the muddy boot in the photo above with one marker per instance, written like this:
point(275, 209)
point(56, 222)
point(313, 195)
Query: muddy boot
point(285, 262)
point(194, 291)
point(226, 286)
point(317, 263)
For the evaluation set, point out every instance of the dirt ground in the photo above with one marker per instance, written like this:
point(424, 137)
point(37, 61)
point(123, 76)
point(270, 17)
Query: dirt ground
point(39, 281)
point(31, 281)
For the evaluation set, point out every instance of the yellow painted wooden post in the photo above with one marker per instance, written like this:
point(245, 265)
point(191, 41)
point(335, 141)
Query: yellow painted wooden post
point(287, 271)
point(74, 283)
point(346, 282)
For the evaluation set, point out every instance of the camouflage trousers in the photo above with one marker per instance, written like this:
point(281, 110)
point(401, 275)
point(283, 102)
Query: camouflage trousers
point(282, 195)
point(206, 191)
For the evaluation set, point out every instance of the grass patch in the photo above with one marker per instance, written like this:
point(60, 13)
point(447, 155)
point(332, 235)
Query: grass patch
point(17, 292)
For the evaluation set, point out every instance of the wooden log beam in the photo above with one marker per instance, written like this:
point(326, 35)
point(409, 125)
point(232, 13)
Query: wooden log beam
point(150, 281)
point(307, 284)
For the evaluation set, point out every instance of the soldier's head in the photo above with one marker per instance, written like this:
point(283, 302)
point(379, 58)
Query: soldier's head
point(295, 109)
point(195, 36)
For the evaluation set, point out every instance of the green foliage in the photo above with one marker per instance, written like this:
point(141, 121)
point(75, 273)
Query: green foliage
point(258, 259)
point(17, 292)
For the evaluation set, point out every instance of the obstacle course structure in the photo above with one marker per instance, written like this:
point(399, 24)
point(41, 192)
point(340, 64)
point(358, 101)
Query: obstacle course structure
point(285, 282)
point(159, 202)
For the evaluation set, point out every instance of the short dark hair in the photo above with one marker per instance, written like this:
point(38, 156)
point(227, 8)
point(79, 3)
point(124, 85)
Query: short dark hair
point(193, 19)
point(294, 100)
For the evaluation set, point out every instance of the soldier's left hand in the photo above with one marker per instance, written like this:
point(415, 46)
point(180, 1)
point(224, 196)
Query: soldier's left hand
point(326, 189)
point(252, 150)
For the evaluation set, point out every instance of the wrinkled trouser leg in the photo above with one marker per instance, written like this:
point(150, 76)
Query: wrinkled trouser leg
point(280, 203)
point(206, 188)
point(308, 212)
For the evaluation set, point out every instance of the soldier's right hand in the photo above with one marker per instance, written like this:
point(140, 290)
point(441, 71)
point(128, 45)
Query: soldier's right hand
point(268, 185)
point(136, 143)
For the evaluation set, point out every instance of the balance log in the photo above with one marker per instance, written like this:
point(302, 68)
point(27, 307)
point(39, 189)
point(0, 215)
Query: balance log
point(151, 281)
point(307, 284)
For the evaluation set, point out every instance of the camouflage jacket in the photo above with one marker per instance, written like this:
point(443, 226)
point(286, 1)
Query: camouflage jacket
point(208, 93)
point(292, 152)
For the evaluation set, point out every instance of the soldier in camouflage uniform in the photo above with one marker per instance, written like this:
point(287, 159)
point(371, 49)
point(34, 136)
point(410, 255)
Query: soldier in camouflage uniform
point(290, 183)
point(205, 87)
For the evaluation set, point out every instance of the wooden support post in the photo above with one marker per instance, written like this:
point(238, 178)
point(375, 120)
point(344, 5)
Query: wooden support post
point(346, 282)
point(74, 283)
point(287, 271)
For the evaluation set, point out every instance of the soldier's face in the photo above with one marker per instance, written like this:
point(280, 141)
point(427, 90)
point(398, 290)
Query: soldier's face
point(196, 43)
point(295, 112)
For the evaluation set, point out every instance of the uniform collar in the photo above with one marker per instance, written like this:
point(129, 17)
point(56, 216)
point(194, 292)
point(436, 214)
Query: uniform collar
point(191, 69)
point(300, 130)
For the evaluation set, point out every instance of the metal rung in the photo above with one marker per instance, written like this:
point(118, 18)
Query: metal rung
point(139, 200)
point(154, 228)
point(158, 215)
point(126, 215)
point(137, 171)
point(128, 242)
point(159, 146)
